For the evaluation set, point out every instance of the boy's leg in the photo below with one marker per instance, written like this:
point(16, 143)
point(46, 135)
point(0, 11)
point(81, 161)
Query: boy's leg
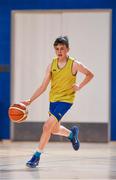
point(60, 130)
point(71, 134)
point(47, 129)
point(58, 109)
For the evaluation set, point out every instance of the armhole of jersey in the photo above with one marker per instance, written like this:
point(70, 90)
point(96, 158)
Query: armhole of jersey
point(52, 65)
point(72, 67)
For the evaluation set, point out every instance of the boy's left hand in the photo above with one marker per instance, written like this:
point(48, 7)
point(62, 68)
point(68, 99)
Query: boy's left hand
point(76, 87)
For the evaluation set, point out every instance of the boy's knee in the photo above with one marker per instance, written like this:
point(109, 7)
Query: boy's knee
point(55, 130)
point(47, 127)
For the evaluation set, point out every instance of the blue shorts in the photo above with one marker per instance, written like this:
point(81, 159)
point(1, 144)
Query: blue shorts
point(58, 109)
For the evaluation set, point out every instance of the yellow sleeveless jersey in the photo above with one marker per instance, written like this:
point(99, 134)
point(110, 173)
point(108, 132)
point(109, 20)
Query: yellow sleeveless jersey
point(62, 80)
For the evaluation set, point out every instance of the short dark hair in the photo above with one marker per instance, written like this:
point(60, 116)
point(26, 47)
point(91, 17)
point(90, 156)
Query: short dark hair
point(62, 40)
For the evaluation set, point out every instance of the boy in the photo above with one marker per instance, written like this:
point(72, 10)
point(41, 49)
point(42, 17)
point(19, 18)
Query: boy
point(62, 74)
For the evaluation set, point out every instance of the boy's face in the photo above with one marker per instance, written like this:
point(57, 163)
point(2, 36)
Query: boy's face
point(61, 51)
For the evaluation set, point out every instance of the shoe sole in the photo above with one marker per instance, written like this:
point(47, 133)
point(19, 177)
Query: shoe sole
point(31, 166)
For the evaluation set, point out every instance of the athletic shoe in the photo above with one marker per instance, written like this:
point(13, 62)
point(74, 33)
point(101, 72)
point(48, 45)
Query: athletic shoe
point(75, 140)
point(33, 162)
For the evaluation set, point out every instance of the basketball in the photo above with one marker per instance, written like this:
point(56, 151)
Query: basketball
point(18, 112)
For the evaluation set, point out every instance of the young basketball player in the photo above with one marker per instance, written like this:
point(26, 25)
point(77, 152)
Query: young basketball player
point(62, 74)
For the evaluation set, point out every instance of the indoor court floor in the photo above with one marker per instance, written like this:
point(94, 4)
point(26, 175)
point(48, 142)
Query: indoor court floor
point(59, 161)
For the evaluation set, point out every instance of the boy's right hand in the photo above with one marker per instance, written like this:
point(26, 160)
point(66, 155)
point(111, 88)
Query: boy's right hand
point(27, 102)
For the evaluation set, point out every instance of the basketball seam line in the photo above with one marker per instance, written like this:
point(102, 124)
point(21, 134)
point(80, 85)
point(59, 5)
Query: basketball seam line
point(18, 109)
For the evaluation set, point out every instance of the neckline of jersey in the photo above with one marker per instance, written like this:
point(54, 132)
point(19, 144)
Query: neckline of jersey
point(64, 65)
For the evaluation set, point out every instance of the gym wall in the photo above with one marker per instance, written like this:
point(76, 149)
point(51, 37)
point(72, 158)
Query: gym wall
point(33, 34)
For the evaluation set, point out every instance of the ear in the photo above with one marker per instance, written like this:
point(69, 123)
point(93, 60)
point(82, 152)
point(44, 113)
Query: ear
point(68, 49)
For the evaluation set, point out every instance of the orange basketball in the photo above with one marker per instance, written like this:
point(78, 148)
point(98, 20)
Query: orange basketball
point(18, 112)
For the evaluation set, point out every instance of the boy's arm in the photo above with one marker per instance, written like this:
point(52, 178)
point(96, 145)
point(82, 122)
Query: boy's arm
point(41, 88)
point(78, 67)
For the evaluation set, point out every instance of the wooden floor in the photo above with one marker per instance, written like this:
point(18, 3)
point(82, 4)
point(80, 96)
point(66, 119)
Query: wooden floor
point(59, 161)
